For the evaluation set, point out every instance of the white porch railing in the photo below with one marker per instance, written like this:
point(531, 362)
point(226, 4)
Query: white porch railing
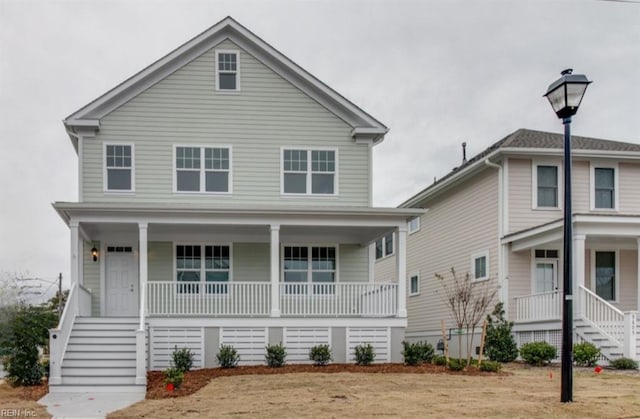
point(84, 301)
point(242, 299)
point(539, 307)
point(338, 299)
point(605, 317)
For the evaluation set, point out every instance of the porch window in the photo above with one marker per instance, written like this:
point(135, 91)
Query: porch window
point(547, 186)
point(304, 265)
point(384, 246)
point(212, 175)
point(118, 168)
point(309, 172)
point(604, 188)
point(606, 275)
point(213, 274)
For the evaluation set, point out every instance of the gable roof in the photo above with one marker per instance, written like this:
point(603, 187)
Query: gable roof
point(363, 124)
point(529, 142)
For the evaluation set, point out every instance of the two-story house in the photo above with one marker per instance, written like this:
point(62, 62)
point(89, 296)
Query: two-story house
point(498, 217)
point(225, 197)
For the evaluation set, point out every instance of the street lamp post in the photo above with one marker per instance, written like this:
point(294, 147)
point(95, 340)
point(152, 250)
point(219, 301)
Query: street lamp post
point(565, 95)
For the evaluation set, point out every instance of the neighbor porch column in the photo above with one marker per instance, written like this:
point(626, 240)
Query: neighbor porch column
point(638, 272)
point(74, 273)
point(401, 265)
point(275, 270)
point(141, 370)
point(578, 272)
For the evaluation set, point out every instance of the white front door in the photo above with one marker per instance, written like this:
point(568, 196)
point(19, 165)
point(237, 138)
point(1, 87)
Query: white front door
point(121, 282)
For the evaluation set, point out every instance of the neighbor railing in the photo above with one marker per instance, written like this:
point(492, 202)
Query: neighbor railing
point(539, 307)
point(338, 299)
point(599, 313)
point(210, 298)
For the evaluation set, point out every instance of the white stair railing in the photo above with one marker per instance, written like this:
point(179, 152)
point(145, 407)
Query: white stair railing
point(600, 314)
point(59, 337)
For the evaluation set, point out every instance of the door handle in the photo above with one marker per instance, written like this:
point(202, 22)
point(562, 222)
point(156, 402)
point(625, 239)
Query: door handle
point(131, 289)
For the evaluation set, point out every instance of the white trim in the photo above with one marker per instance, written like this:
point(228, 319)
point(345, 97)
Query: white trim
point(593, 165)
point(383, 238)
point(291, 322)
point(616, 283)
point(478, 255)
point(534, 184)
point(414, 274)
point(417, 228)
point(175, 244)
point(336, 246)
point(217, 70)
point(80, 164)
point(105, 182)
point(309, 173)
point(203, 171)
point(534, 268)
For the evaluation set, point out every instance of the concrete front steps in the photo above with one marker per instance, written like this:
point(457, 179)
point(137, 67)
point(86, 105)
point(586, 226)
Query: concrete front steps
point(100, 356)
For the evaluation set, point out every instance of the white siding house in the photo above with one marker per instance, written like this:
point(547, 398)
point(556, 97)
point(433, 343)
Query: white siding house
point(224, 198)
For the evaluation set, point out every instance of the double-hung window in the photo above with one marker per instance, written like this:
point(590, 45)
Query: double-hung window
point(384, 246)
point(547, 186)
point(118, 163)
point(480, 266)
point(203, 169)
point(604, 188)
point(202, 267)
point(309, 269)
point(309, 172)
point(228, 70)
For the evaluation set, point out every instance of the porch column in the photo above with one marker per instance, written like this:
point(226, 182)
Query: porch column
point(275, 270)
point(578, 272)
point(638, 271)
point(401, 265)
point(144, 268)
point(74, 272)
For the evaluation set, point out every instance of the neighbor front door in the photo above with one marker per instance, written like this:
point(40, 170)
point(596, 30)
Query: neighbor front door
point(121, 282)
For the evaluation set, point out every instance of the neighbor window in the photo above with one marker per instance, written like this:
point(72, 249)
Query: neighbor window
point(480, 266)
point(309, 172)
point(227, 70)
point(384, 246)
point(605, 275)
point(546, 270)
point(604, 188)
point(203, 169)
point(304, 265)
point(547, 186)
point(206, 265)
point(119, 167)
point(413, 225)
point(414, 284)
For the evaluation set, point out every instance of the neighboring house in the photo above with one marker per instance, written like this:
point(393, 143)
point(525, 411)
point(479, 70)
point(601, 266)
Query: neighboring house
point(224, 198)
point(499, 218)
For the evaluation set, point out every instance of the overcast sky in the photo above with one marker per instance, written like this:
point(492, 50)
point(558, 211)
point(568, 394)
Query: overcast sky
point(436, 72)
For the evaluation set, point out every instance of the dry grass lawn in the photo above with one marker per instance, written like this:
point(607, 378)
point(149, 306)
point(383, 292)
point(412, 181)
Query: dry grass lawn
point(16, 402)
point(527, 392)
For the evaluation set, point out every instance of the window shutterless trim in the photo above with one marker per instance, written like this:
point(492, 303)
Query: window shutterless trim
point(309, 269)
point(534, 184)
point(383, 240)
point(592, 185)
point(616, 278)
point(202, 270)
point(202, 170)
point(105, 174)
point(309, 172)
point(476, 256)
point(217, 70)
point(409, 230)
point(414, 275)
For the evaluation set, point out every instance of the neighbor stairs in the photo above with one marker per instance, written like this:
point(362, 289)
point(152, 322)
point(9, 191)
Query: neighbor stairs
point(100, 356)
point(608, 348)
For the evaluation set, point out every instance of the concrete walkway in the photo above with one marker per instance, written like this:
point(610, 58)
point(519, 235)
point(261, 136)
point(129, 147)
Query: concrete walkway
point(87, 405)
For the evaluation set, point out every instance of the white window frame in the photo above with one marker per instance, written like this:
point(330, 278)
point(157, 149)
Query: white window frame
point(616, 283)
point(534, 262)
point(310, 270)
point(203, 270)
point(592, 184)
point(534, 185)
point(384, 246)
point(237, 72)
point(417, 225)
point(105, 180)
point(202, 170)
point(414, 275)
point(485, 254)
point(309, 172)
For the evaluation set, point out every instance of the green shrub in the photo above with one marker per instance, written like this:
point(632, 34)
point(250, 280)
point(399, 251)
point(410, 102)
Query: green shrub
point(499, 343)
point(228, 356)
point(439, 360)
point(538, 353)
point(173, 376)
point(276, 355)
point(490, 366)
point(585, 354)
point(457, 364)
point(182, 359)
point(365, 354)
point(417, 353)
point(320, 355)
point(624, 364)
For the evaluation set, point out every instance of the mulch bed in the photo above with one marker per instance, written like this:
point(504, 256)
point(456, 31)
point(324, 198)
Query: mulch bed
point(34, 393)
point(195, 380)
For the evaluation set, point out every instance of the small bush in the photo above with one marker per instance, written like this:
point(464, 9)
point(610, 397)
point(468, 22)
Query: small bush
point(457, 364)
point(624, 364)
point(228, 357)
point(173, 376)
point(490, 366)
point(276, 355)
point(499, 343)
point(365, 354)
point(439, 360)
point(182, 359)
point(538, 353)
point(585, 354)
point(417, 353)
point(320, 355)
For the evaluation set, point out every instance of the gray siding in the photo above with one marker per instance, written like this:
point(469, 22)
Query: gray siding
point(267, 114)
point(386, 270)
point(251, 262)
point(91, 276)
point(160, 260)
point(353, 263)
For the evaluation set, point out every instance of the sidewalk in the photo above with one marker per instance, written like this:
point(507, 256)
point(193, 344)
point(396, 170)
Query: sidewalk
point(87, 405)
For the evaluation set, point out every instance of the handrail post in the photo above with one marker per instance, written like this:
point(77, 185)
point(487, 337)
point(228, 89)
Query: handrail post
point(629, 344)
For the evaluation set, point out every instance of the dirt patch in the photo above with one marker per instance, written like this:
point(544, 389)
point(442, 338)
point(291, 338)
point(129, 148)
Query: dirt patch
point(195, 380)
point(22, 401)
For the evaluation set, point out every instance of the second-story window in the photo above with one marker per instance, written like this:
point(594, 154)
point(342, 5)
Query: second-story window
point(604, 188)
point(118, 168)
point(203, 169)
point(309, 172)
point(228, 70)
point(547, 189)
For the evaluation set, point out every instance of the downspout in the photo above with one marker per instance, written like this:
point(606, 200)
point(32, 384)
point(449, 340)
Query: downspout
point(502, 291)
